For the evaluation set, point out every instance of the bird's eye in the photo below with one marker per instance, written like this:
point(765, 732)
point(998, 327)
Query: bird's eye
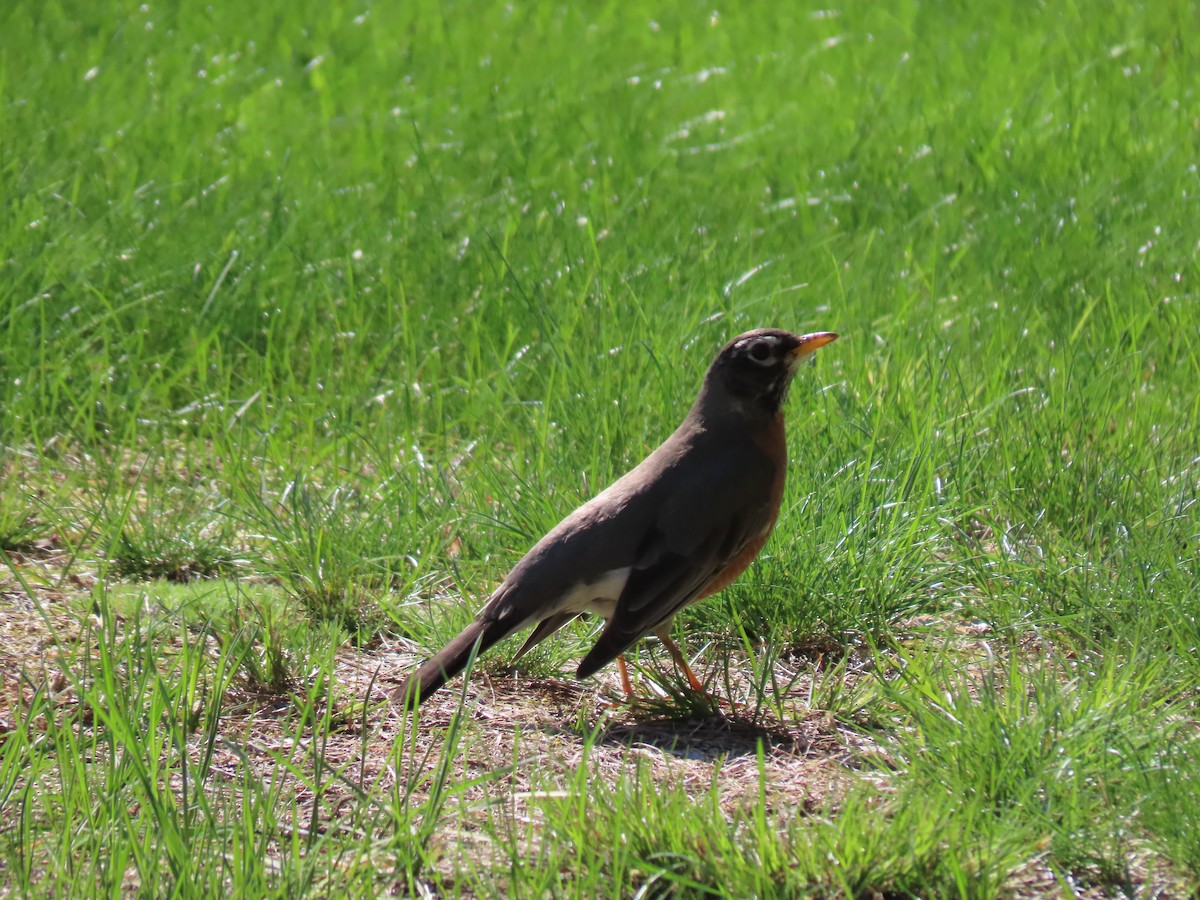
point(760, 351)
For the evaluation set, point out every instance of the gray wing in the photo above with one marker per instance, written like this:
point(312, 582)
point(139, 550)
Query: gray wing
point(703, 525)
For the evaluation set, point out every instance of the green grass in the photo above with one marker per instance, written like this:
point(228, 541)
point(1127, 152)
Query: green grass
point(313, 318)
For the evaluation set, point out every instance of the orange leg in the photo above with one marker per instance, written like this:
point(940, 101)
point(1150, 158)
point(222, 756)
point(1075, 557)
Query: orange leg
point(623, 670)
point(677, 655)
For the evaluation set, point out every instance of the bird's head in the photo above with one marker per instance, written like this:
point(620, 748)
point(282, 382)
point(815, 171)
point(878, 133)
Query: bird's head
point(755, 369)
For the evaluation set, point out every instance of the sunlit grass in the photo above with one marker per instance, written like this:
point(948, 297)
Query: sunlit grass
point(327, 313)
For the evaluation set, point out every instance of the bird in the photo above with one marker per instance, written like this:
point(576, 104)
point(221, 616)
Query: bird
point(678, 527)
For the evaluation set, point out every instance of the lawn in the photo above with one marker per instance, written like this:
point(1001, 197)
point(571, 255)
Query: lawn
point(315, 316)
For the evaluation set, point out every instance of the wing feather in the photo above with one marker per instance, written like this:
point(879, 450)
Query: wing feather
point(688, 550)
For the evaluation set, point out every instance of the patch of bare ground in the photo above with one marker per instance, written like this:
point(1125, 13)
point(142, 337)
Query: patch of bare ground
point(520, 736)
point(521, 739)
point(36, 636)
point(524, 739)
point(1145, 877)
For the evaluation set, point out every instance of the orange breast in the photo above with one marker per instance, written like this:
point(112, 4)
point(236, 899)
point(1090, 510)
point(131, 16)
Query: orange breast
point(740, 562)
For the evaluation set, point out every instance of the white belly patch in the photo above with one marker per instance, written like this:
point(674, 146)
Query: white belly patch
point(598, 597)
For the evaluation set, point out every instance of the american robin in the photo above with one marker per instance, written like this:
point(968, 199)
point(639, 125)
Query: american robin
point(680, 526)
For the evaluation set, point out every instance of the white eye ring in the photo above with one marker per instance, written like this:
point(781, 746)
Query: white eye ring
point(760, 351)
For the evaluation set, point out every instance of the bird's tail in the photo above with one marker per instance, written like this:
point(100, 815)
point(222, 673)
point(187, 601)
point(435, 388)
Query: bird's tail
point(449, 661)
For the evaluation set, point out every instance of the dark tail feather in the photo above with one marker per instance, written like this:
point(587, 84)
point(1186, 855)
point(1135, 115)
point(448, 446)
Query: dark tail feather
point(613, 641)
point(545, 628)
point(448, 662)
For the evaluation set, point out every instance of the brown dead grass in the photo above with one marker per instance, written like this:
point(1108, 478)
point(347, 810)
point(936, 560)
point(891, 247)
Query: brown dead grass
point(538, 727)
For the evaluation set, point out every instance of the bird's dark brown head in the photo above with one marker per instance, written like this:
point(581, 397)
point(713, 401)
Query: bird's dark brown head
point(755, 369)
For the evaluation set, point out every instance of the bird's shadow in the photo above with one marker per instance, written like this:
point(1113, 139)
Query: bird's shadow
point(696, 728)
point(707, 739)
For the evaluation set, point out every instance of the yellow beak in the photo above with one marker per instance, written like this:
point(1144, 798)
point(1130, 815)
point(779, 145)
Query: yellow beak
point(810, 342)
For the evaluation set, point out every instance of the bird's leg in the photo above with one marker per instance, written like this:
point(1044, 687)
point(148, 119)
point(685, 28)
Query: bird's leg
point(676, 654)
point(623, 671)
